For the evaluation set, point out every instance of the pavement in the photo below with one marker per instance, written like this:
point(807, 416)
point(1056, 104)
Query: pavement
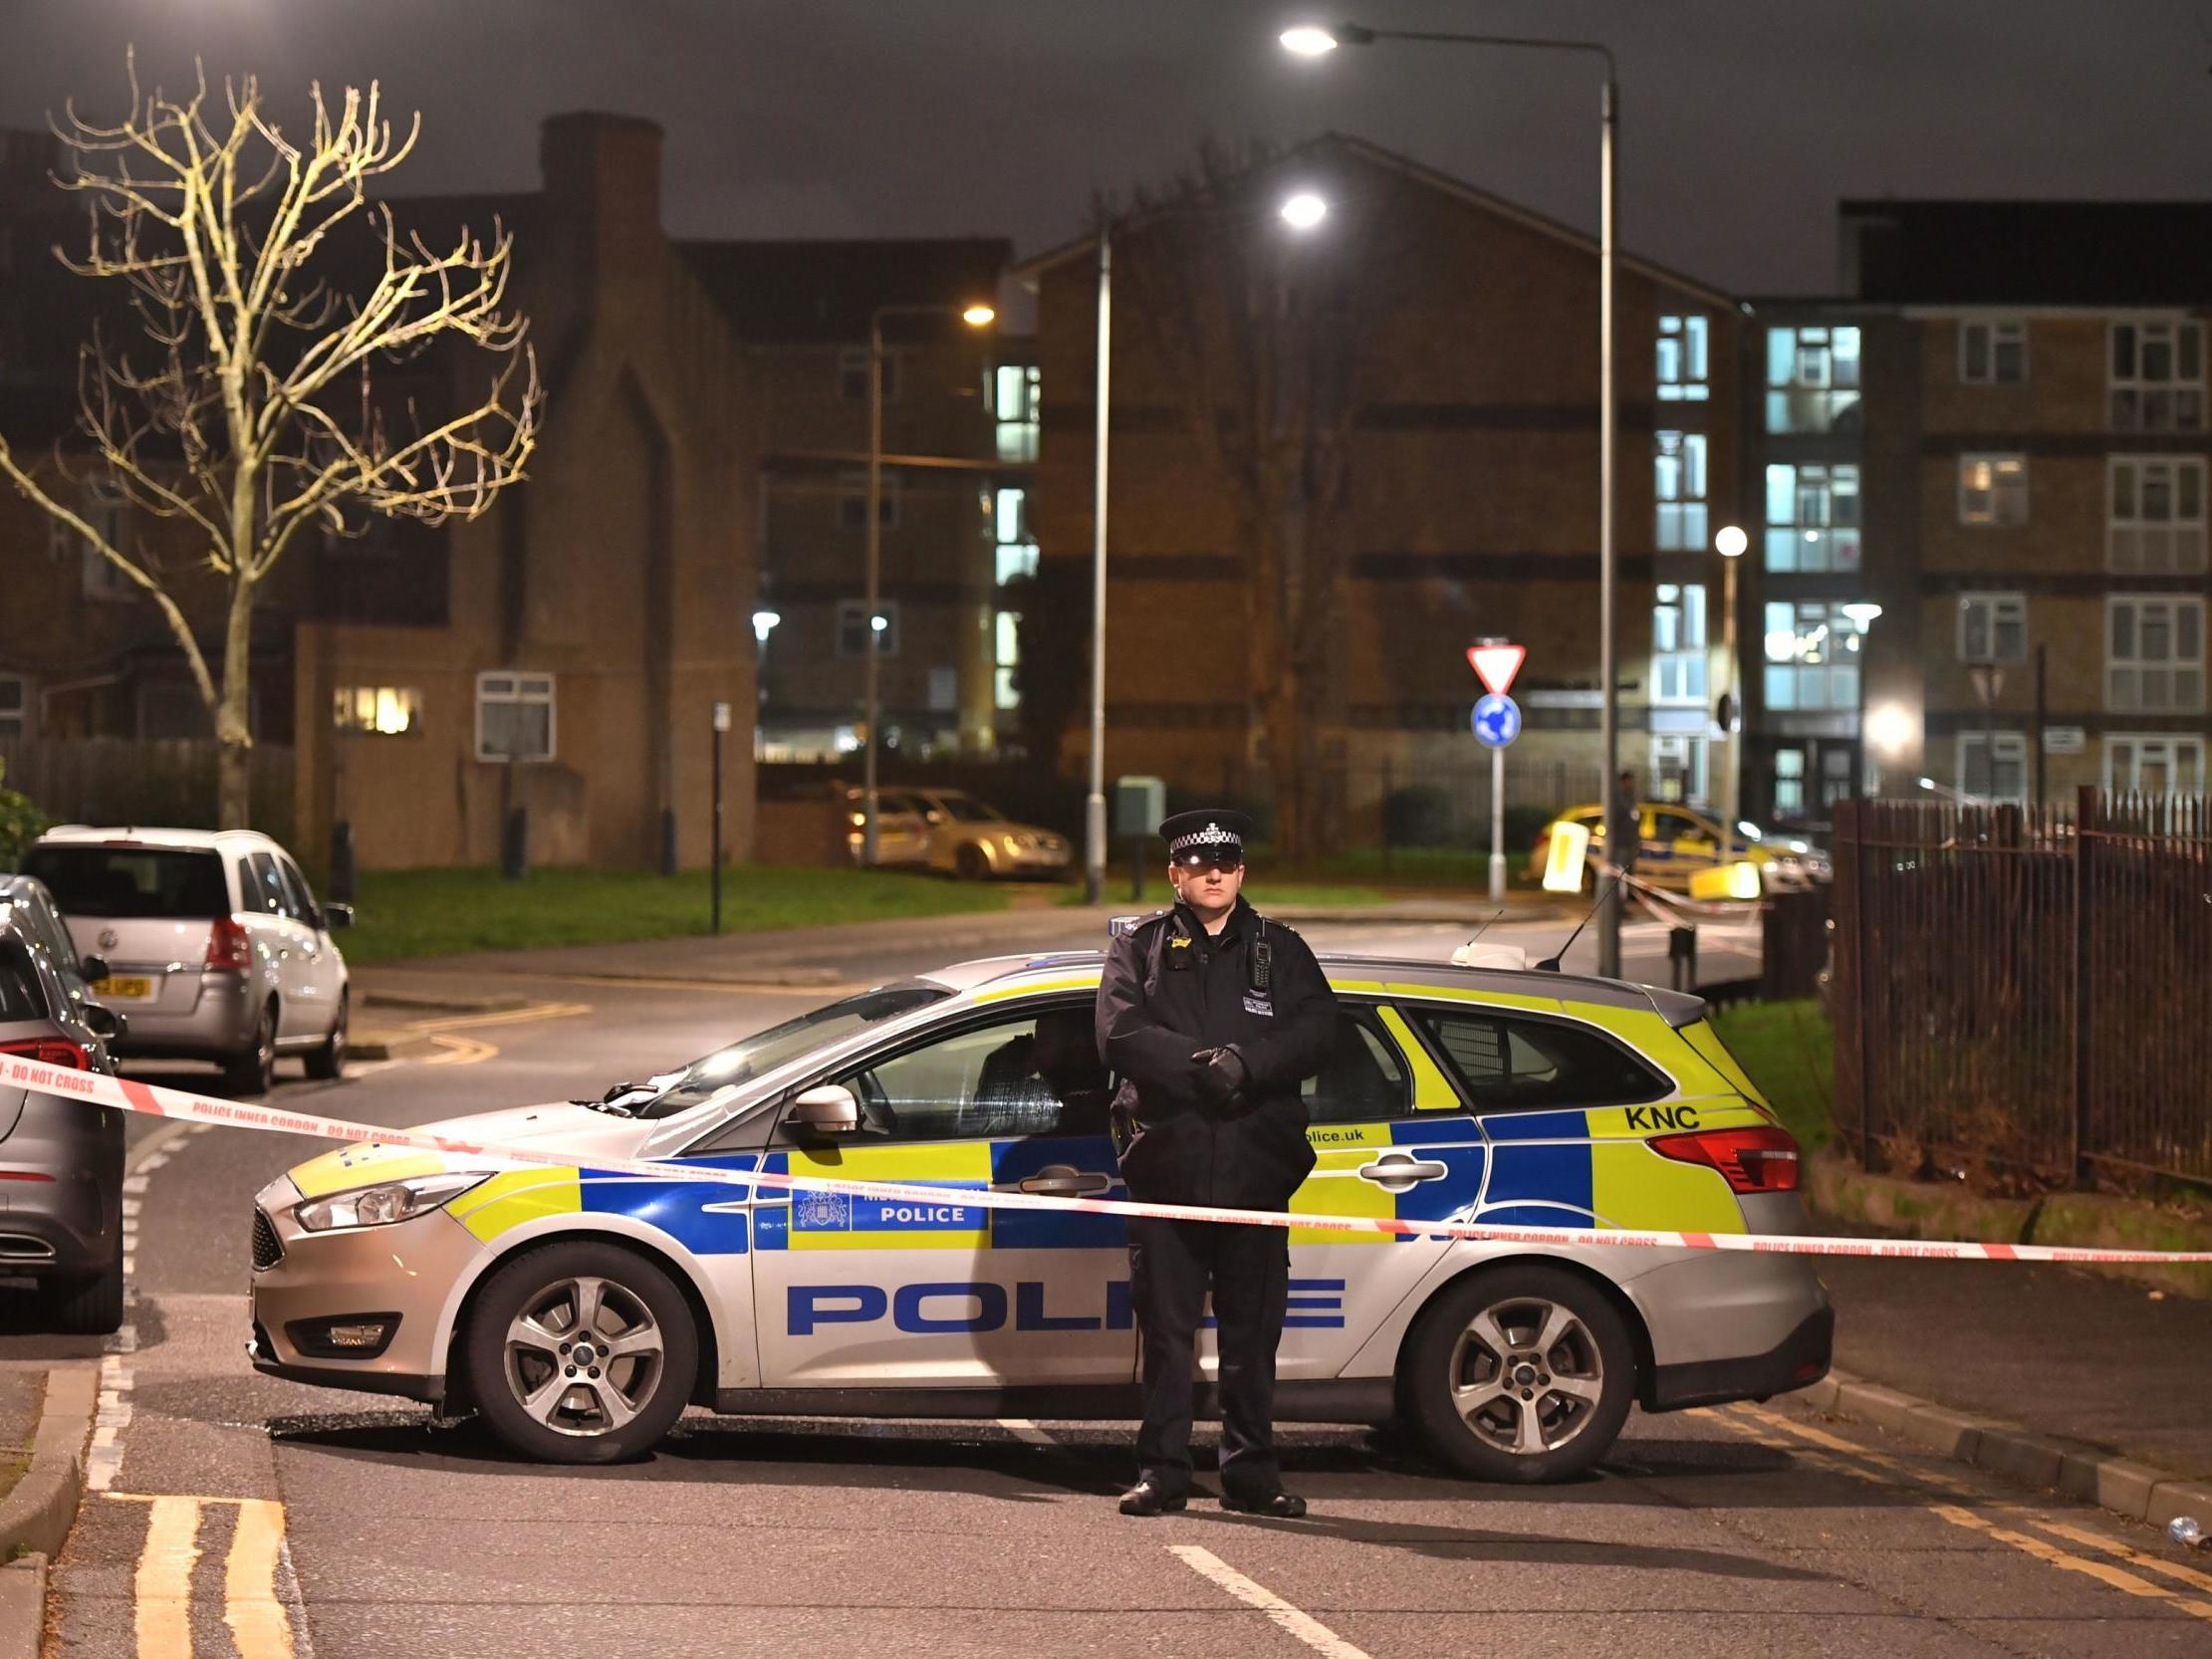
point(231, 1514)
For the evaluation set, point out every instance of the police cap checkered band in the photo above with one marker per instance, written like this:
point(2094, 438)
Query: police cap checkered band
point(1212, 835)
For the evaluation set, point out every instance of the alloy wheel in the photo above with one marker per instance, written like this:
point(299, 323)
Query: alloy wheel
point(1526, 1376)
point(583, 1356)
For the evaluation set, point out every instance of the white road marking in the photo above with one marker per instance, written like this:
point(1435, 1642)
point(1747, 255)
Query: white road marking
point(1303, 1625)
point(103, 1458)
point(1021, 1428)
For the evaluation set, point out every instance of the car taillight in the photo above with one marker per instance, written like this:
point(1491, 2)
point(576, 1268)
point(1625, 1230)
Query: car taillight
point(51, 1051)
point(229, 945)
point(1750, 1160)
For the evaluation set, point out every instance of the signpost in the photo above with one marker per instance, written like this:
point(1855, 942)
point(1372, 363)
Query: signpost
point(1497, 722)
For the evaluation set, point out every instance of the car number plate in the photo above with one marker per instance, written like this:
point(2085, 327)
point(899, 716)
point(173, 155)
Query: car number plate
point(124, 986)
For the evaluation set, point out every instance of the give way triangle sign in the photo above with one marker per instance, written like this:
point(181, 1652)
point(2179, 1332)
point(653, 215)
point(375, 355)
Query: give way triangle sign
point(1497, 664)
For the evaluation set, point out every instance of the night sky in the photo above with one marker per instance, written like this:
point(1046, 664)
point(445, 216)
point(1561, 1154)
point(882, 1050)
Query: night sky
point(1743, 120)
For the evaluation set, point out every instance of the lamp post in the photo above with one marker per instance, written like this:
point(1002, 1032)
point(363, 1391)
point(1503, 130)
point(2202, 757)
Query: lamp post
point(1312, 41)
point(1302, 212)
point(976, 316)
point(1730, 542)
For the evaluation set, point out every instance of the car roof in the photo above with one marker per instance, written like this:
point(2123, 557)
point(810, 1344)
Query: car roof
point(144, 834)
point(1010, 975)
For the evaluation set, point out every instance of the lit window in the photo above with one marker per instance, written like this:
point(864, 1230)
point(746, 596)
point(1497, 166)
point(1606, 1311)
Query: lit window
point(853, 627)
point(513, 717)
point(1684, 351)
point(1811, 517)
point(2156, 523)
point(1015, 407)
point(1016, 552)
point(1788, 782)
point(1812, 652)
point(1679, 485)
point(2154, 654)
point(1006, 636)
point(381, 710)
point(853, 499)
point(1679, 644)
point(2158, 376)
point(2152, 762)
point(1993, 627)
point(1993, 765)
point(852, 374)
point(1678, 767)
point(1811, 379)
point(15, 705)
point(1993, 489)
point(1993, 353)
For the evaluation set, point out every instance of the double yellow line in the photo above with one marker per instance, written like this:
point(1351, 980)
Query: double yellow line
point(260, 1627)
point(456, 1049)
point(2014, 1525)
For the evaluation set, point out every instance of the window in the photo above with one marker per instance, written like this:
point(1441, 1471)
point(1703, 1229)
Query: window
point(132, 882)
point(22, 991)
point(1678, 767)
point(1812, 656)
point(15, 705)
point(1994, 765)
point(1788, 782)
point(1811, 379)
point(1993, 353)
point(1016, 407)
point(1684, 351)
point(944, 690)
point(299, 896)
point(1017, 550)
point(1365, 1079)
point(2150, 763)
point(1813, 518)
point(1993, 627)
point(1006, 640)
point(2158, 376)
point(2157, 520)
point(1993, 489)
point(108, 510)
point(853, 499)
point(1679, 485)
point(1678, 643)
point(1513, 1064)
point(2154, 654)
point(266, 891)
point(853, 627)
point(513, 717)
point(1038, 1075)
point(381, 710)
point(852, 374)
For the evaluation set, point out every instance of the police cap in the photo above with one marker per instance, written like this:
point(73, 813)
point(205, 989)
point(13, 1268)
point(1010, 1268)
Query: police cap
point(1210, 836)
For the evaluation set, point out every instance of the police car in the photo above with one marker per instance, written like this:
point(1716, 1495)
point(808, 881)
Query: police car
point(580, 1311)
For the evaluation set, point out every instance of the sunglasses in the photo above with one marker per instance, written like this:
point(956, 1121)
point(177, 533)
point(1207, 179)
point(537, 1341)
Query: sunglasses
point(1209, 859)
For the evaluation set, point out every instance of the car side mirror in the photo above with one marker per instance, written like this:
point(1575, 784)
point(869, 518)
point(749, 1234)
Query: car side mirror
point(826, 1110)
point(104, 1023)
point(94, 968)
point(338, 915)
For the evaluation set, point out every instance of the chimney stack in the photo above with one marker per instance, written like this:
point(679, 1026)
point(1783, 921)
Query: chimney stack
point(603, 175)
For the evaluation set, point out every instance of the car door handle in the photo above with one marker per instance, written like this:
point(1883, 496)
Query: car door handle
point(1061, 1182)
point(1397, 1171)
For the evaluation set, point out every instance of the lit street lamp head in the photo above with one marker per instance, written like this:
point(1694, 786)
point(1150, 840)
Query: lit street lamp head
point(1305, 210)
point(1312, 40)
point(1731, 542)
point(979, 316)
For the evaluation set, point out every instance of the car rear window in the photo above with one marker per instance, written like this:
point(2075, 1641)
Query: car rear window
point(164, 883)
point(22, 996)
point(1517, 1064)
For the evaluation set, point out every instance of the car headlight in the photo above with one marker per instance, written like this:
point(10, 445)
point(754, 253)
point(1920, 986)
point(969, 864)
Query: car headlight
point(385, 1203)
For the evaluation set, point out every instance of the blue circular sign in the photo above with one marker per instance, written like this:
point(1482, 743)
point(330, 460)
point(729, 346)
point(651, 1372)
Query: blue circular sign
point(1496, 721)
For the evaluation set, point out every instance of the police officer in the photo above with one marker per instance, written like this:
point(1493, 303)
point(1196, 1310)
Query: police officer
point(1212, 1016)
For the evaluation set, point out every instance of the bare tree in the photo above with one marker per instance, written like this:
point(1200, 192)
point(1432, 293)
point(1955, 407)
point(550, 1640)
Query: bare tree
point(1259, 334)
point(249, 406)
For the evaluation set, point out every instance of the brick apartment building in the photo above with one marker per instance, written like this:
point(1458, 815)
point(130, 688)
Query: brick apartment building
point(959, 429)
point(1998, 435)
point(587, 622)
point(1472, 473)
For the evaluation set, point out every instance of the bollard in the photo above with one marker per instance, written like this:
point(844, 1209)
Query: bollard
point(342, 862)
point(514, 844)
point(1681, 956)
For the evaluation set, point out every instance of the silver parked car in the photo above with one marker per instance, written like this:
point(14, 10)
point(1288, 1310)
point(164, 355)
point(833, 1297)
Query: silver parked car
point(215, 947)
point(974, 841)
point(61, 1160)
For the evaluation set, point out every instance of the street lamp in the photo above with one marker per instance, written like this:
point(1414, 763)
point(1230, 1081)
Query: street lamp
point(1302, 212)
point(975, 314)
point(1729, 543)
point(1315, 41)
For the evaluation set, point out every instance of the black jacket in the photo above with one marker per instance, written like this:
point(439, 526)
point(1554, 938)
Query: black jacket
point(1172, 990)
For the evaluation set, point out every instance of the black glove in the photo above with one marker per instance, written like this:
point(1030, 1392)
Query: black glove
point(1222, 1074)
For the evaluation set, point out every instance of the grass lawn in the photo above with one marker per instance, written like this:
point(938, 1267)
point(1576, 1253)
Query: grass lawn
point(1790, 1050)
point(441, 912)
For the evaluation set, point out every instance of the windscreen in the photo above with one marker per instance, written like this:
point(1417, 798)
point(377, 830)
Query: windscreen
point(779, 1045)
point(163, 883)
point(968, 809)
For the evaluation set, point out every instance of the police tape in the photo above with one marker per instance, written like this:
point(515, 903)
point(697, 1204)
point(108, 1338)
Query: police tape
point(153, 1101)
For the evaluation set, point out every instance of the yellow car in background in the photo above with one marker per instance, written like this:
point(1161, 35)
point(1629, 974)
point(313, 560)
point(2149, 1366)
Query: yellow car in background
point(1680, 843)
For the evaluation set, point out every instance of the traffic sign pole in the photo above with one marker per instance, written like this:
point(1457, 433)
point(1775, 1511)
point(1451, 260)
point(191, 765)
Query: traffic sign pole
point(1497, 825)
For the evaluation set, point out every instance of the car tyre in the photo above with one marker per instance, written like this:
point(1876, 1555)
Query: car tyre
point(973, 864)
point(328, 1060)
point(85, 1305)
point(537, 1314)
point(1521, 1374)
point(253, 1070)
